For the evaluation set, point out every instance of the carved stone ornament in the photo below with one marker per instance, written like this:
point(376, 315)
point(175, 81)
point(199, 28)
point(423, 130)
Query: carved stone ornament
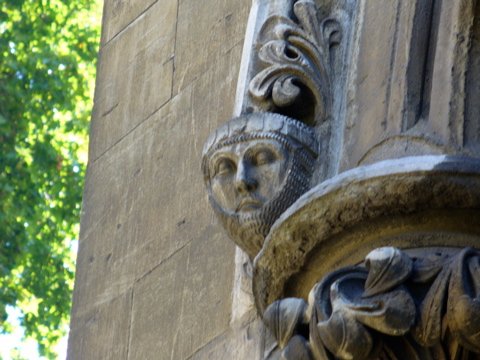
point(255, 166)
point(395, 306)
point(412, 202)
point(421, 302)
point(295, 52)
point(385, 252)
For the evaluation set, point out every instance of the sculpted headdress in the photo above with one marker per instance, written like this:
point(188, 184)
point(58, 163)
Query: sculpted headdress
point(291, 133)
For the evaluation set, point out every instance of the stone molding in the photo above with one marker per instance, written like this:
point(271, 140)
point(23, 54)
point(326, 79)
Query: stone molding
point(421, 192)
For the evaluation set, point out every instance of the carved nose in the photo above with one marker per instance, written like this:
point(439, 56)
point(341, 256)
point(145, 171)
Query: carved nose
point(243, 181)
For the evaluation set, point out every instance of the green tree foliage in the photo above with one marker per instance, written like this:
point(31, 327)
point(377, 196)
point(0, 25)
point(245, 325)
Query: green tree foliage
point(47, 62)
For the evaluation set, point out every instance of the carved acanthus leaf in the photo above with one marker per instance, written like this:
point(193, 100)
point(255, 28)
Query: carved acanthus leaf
point(283, 317)
point(297, 58)
point(387, 268)
point(346, 332)
point(427, 307)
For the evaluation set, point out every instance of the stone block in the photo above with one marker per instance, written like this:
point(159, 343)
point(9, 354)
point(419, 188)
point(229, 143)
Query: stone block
point(179, 306)
point(206, 307)
point(102, 333)
point(118, 14)
point(134, 76)
point(155, 315)
point(125, 216)
point(239, 343)
point(205, 31)
point(147, 232)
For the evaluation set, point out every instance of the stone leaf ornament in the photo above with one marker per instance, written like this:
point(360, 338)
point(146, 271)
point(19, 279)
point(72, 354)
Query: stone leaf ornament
point(297, 58)
point(395, 306)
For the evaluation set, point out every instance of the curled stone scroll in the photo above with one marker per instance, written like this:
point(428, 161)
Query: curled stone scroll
point(297, 76)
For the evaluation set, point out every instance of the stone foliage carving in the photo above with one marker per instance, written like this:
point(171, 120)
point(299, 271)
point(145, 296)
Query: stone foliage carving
point(296, 55)
point(395, 306)
point(255, 167)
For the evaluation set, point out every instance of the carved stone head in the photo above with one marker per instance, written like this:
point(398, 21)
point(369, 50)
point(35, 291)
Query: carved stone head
point(255, 166)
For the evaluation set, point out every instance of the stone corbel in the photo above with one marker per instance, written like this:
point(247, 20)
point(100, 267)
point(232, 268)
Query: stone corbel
point(289, 96)
point(394, 306)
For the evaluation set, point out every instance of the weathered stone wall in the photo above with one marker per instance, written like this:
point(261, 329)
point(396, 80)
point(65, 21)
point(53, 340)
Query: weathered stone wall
point(154, 270)
point(157, 277)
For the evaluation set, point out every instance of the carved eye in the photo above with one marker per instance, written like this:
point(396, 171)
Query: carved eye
point(224, 167)
point(264, 157)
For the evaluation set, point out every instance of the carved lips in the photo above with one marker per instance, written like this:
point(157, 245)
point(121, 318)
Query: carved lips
point(247, 204)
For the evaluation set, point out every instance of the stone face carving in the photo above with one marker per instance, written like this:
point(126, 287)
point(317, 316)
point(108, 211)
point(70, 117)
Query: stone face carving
point(395, 306)
point(255, 167)
point(296, 54)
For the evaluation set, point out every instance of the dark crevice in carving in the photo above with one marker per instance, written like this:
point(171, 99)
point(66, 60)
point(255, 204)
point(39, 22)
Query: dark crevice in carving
point(422, 42)
point(424, 101)
point(302, 107)
point(472, 104)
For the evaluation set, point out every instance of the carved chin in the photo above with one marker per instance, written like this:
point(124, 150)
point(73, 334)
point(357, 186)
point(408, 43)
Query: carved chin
point(249, 230)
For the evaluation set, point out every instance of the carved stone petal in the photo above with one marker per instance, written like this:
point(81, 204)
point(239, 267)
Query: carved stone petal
point(395, 314)
point(283, 317)
point(391, 313)
point(275, 27)
point(345, 337)
point(465, 322)
point(428, 330)
point(426, 268)
point(388, 267)
point(273, 353)
point(316, 345)
point(306, 12)
point(321, 300)
point(463, 312)
point(296, 349)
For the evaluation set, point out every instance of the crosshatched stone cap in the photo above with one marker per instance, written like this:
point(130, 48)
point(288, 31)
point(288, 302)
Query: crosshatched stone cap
point(261, 125)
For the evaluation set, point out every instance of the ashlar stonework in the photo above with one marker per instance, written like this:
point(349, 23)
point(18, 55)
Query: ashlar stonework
point(348, 175)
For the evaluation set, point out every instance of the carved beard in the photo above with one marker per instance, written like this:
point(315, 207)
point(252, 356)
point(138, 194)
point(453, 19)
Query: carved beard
point(249, 230)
